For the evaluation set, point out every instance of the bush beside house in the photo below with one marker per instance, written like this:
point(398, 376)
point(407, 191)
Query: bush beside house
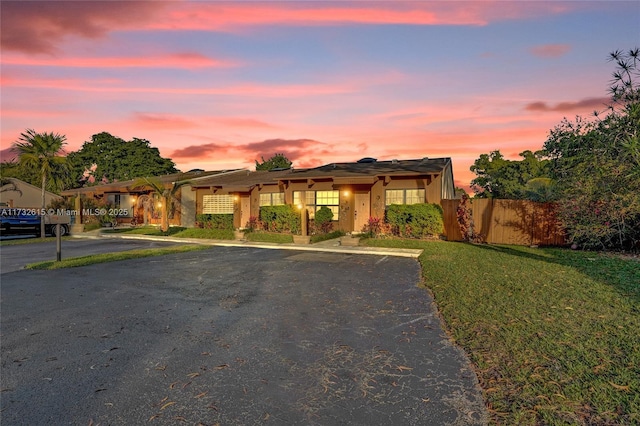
point(408, 221)
point(215, 221)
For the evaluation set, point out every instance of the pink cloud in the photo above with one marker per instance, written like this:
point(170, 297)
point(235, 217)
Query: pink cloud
point(223, 16)
point(185, 60)
point(7, 154)
point(199, 151)
point(162, 121)
point(292, 148)
point(550, 50)
point(39, 26)
point(588, 104)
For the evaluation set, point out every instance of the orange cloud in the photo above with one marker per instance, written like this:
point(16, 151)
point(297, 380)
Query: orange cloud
point(113, 85)
point(186, 60)
point(550, 50)
point(242, 123)
point(170, 121)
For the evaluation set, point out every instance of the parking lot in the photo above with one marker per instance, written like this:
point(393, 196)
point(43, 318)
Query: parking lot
point(233, 336)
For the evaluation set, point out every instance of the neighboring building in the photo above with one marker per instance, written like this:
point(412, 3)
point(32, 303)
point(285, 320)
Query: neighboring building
point(353, 191)
point(20, 194)
point(137, 201)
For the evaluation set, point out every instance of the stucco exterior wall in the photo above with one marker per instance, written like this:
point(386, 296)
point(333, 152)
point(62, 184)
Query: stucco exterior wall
point(29, 196)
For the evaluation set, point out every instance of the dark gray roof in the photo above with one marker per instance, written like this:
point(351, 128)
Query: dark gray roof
point(377, 168)
point(241, 179)
point(244, 180)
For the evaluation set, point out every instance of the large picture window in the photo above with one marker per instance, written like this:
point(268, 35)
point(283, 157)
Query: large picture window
point(123, 203)
point(217, 204)
point(404, 196)
point(314, 200)
point(272, 199)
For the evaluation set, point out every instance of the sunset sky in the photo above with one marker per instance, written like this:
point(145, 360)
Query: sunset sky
point(217, 85)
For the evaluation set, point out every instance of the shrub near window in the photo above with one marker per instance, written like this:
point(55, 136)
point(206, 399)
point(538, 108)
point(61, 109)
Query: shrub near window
point(415, 220)
point(323, 219)
point(214, 221)
point(280, 219)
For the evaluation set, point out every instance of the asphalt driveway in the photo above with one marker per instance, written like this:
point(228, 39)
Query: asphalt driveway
point(230, 336)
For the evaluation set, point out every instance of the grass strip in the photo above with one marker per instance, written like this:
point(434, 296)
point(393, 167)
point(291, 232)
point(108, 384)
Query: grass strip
point(268, 237)
point(112, 257)
point(21, 241)
point(177, 231)
point(328, 236)
point(554, 334)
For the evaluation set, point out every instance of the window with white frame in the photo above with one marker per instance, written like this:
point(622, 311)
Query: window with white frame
point(404, 196)
point(272, 199)
point(314, 200)
point(217, 204)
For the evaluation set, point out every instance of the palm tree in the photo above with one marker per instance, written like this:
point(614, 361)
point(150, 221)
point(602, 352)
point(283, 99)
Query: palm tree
point(168, 195)
point(41, 152)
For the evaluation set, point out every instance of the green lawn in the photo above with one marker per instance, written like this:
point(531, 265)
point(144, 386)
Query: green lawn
point(554, 334)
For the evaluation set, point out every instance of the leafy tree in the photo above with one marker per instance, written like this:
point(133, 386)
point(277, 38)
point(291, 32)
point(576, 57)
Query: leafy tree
point(12, 169)
point(498, 177)
point(459, 192)
point(278, 161)
point(107, 158)
point(596, 164)
point(40, 152)
point(28, 173)
point(168, 195)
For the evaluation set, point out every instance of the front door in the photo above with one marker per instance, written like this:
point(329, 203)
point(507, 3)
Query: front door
point(361, 211)
point(245, 210)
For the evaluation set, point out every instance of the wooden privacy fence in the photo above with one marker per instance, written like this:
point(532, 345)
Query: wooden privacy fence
point(517, 222)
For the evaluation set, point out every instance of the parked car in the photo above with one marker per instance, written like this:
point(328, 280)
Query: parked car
point(15, 221)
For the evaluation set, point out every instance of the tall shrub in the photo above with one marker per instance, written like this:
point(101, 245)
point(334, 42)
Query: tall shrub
point(323, 219)
point(281, 219)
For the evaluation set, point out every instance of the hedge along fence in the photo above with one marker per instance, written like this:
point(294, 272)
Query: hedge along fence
point(415, 220)
point(518, 222)
point(281, 219)
point(214, 221)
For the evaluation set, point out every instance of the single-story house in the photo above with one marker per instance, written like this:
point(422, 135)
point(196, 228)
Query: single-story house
point(17, 193)
point(353, 191)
